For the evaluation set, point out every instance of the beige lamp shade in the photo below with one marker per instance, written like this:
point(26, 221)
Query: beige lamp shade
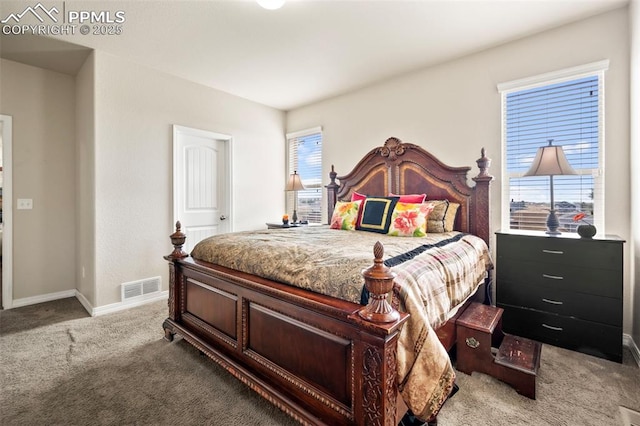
point(550, 161)
point(294, 183)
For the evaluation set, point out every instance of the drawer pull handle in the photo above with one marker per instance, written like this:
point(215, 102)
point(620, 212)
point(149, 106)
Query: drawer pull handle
point(553, 302)
point(472, 342)
point(550, 327)
point(553, 277)
point(553, 251)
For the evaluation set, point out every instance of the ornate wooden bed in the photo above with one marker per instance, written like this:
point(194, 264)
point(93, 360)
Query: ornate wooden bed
point(320, 359)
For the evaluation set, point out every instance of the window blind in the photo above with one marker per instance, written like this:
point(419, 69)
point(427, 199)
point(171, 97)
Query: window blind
point(569, 112)
point(305, 157)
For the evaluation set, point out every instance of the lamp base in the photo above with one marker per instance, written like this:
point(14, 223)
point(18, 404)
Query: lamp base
point(553, 223)
point(294, 216)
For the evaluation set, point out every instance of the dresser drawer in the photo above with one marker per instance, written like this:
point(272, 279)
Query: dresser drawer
point(599, 282)
point(584, 336)
point(599, 254)
point(604, 310)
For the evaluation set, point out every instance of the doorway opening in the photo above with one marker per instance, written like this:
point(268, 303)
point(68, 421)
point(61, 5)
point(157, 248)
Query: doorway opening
point(6, 206)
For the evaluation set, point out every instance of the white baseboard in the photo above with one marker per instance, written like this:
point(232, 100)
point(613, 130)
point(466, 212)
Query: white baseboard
point(84, 302)
point(94, 312)
point(627, 341)
point(629, 417)
point(26, 301)
point(121, 306)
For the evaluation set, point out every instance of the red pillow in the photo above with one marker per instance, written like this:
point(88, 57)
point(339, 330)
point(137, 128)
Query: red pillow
point(409, 198)
point(356, 196)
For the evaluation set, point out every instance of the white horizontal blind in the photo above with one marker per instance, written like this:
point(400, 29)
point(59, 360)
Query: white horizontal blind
point(305, 157)
point(570, 113)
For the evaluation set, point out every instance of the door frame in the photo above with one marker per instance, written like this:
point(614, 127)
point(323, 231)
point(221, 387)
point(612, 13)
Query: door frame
point(7, 212)
point(225, 176)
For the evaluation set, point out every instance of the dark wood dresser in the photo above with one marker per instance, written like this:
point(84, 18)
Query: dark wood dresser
point(562, 290)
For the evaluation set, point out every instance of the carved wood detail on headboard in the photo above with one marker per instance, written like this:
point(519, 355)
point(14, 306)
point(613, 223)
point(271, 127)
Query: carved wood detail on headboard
point(406, 168)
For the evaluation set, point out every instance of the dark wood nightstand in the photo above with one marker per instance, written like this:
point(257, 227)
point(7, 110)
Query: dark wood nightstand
point(281, 225)
point(562, 290)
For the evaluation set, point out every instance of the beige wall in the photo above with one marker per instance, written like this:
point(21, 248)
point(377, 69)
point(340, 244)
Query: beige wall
point(634, 241)
point(94, 151)
point(454, 109)
point(42, 104)
point(85, 180)
point(135, 108)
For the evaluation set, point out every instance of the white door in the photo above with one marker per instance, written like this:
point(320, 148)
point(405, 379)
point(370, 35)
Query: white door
point(201, 191)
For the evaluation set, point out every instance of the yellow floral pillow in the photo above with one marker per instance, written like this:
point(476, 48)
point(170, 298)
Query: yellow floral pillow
point(410, 220)
point(345, 215)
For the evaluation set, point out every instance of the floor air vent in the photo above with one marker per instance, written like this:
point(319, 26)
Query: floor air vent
point(141, 288)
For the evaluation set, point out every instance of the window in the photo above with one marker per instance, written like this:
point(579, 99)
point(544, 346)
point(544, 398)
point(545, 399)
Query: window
point(567, 108)
point(304, 150)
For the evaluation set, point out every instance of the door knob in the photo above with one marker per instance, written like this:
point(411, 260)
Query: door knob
point(223, 217)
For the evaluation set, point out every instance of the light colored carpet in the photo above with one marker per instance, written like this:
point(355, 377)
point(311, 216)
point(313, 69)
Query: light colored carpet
point(58, 366)
point(61, 367)
point(571, 389)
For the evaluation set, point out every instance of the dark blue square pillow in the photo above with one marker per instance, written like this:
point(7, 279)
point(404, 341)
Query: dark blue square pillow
point(376, 214)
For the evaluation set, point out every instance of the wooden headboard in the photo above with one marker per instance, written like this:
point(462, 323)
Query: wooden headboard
point(405, 168)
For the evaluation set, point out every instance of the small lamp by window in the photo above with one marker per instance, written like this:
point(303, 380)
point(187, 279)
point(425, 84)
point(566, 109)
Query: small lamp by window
point(550, 161)
point(294, 184)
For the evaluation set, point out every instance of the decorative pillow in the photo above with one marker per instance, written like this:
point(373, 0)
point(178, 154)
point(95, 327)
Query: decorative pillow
point(442, 217)
point(345, 215)
point(356, 196)
point(409, 220)
point(376, 214)
point(410, 198)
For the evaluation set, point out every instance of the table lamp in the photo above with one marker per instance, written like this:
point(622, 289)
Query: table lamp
point(294, 184)
point(550, 161)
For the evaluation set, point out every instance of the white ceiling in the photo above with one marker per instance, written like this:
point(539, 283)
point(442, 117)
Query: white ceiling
point(312, 50)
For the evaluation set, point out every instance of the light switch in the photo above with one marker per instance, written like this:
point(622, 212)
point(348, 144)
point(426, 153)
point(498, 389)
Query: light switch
point(25, 204)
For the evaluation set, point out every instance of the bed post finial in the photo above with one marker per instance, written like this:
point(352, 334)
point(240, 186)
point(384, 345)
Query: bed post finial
point(379, 282)
point(332, 193)
point(177, 239)
point(481, 203)
point(483, 164)
point(332, 175)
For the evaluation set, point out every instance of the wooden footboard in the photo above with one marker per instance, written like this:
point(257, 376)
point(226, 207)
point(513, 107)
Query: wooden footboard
point(319, 359)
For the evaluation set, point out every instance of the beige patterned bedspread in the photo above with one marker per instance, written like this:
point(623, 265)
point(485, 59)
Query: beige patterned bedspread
point(328, 261)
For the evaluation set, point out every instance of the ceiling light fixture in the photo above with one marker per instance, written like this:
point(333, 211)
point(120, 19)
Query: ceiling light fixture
point(271, 4)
